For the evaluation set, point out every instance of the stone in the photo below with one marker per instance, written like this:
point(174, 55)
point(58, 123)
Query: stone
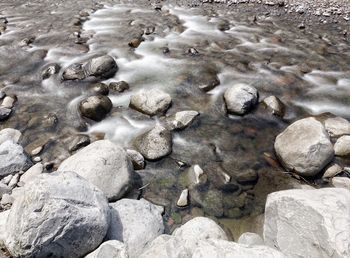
point(136, 223)
point(332, 171)
point(101, 88)
point(32, 173)
point(14, 180)
point(221, 248)
point(137, 159)
point(135, 43)
point(78, 142)
point(4, 189)
point(57, 215)
point(50, 70)
point(36, 151)
point(10, 134)
point(211, 83)
point(194, 174)
point(304, 147)
point(4, 113)
point(151, 101)
point(249, 176)
point(74, 72)
point(110, 249)
point(103, 164)
point(7, 200)
point(183, 199)
point(337, 126)
point(96, 107)
point(240, 99)
point(103, 67)
point(12, 158)
point(154, 144)
point(250, 239)
point(6, 180)
point(3, 219)
point(309, 223)
point(275, 105)
point(8, 102)
point(341, 182)
point(182, 119)
point(120, 86)
point(342, 146)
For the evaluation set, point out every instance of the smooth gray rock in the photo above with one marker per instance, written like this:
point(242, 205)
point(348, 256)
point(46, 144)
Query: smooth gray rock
point(240, 99)
point(221, 248)
point(309, 223)
point(337, 126)
point(155, 143)
point(102, 66)
point(57, 215)
point(250, 239)
point(304, 147)
point(110, 249)
point(95, 107)
point(342, 146)
point(105, 165)
point(275, 105)
point(12, 158)
point(136, 223)
point(137, 159)
point(151, 101)
point(181, 119)
point(10, 134)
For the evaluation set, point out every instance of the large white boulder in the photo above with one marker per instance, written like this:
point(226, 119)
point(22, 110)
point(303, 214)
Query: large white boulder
point(136, 223)
point(309, 223)
point(57, 215)
point(104, 164)
point(240, 98)
point(216, 248)
point(110, 249)
point(151, 101)
point(304, 147)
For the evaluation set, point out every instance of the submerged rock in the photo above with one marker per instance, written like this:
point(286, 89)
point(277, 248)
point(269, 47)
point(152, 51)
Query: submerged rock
point(12, 158)
point(96, 107)
point(183, 199)
point(50, 70)
point(57, 215)
point(240, 99)
point(119, 86)
point(275, 105)
point(181, 119)
point(155, 143)
point(110, 249)
point(304, 147)
point(151, 102)
point(74, 72)
point(136, 223)
point(309, 223)
point(103, 164)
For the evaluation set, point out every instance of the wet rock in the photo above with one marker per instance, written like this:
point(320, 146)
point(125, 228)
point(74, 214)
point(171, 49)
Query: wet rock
point(211, 84)
point(337, 126)
point(192, 51)
point(74, 72)
point(221, 248)
point(181, 119)
point(135, 43)
point(341, 182)
point(250, 239)
point(36, 151)
point(240, 99)
point(12, 158)
point(275, 105)
point(136, 223)
point(183, 199)
point(210, 201)
point(32, 173)
point(110, 249)
point(101, 88)
point(57, 215)
point(288, 215)
point(149, 30)
point(102, 67)
point(332, 171)
point(96, 107)
point(155, 143)
point(223, 25)
point(137, 159)
point(10, 134)
point(249, 176)
point(103, 164)
point(4, 113)
point(26, 41)
point(304, 147)
point(120, 86)
point(195, 174)
point(78, 142)
point(50, 70)
point(151, 102)
point(342, 146)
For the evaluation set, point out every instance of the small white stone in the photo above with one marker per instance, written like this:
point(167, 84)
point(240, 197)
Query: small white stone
point(36, 151)
point(37, 159)
point(183, 199)
point(198, 171)
point(227, 178)
point(8, 102)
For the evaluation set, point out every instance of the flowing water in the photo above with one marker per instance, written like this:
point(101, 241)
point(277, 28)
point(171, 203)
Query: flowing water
point(309, 71)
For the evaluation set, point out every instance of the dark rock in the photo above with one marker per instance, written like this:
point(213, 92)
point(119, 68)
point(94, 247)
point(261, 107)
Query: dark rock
point(50, 70)
point(96, 107)
point(134, 43)
point(249, 176)
point(101, 88)
point(102, 66)
point(74, 72)
point(78, 142)
point(4, 113)
point(119, 86)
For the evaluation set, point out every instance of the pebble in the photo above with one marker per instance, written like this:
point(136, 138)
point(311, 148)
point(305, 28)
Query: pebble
point(8, 102)
point(37, 159)
point(36, 151)
point(120, 86)
point(332, 171)
point(183, 199)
